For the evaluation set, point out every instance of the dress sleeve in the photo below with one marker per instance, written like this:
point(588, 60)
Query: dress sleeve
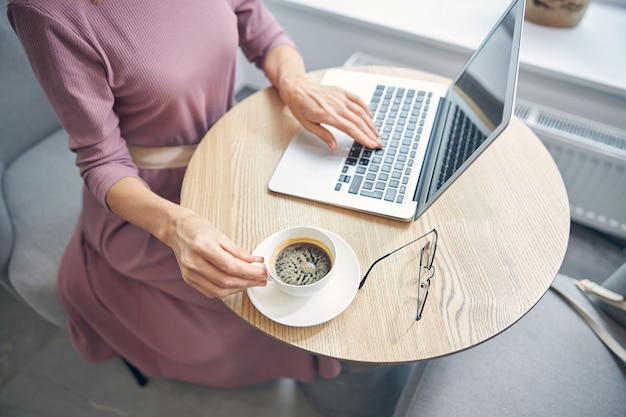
point(73, 75)
point(259, 32)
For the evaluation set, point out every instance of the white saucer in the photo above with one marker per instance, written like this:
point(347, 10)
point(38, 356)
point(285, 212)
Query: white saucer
point(321, 307)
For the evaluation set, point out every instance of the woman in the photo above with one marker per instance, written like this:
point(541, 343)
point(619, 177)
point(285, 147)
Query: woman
point(141, 276)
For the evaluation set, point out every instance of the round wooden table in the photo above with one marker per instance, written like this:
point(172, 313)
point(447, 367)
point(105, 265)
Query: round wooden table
point(503, 229)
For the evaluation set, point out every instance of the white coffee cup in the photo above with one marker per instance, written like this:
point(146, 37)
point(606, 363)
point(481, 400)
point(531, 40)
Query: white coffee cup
point(300, 260)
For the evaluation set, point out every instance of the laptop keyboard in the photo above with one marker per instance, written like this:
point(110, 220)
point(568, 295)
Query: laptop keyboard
point(383, 174)
point(464, 138)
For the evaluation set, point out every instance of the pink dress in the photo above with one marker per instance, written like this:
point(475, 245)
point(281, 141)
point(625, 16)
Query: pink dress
point(151, 73)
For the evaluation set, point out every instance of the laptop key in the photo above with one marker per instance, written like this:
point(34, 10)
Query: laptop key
point(355, 184)
point(390, 195)
point(373, 194)
point(354, 152)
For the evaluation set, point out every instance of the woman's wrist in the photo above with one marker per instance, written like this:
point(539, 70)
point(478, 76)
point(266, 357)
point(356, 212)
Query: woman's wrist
point(291, 82)
point(174, 217)
point(285, 68)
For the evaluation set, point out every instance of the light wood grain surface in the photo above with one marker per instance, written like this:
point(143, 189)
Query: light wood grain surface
point(503, 229)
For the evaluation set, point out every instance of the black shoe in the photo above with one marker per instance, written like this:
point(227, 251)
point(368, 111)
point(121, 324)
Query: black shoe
point(141, 379)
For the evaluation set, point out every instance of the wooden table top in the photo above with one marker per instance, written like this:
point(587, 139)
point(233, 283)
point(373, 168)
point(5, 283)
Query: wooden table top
point(503, 229)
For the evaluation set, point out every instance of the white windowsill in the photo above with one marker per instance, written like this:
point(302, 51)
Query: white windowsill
point(591, 54)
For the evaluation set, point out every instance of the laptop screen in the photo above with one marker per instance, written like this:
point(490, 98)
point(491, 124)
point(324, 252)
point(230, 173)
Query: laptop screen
point(480, 102)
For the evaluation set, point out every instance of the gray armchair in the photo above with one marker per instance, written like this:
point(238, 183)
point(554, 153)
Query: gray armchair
point(550, 363)
point(39, 184)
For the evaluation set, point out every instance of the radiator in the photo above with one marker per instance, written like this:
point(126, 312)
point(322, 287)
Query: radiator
point(591, 158)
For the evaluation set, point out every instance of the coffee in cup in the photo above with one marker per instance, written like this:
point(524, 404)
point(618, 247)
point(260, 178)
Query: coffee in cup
point(301, 260)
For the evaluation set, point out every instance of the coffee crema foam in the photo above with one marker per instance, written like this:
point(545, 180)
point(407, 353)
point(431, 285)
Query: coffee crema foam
point(302, 263)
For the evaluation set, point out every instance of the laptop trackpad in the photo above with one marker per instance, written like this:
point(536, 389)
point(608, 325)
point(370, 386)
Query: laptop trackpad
point(308, 166)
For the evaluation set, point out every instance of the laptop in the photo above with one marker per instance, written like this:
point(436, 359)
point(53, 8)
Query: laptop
point(431, 132)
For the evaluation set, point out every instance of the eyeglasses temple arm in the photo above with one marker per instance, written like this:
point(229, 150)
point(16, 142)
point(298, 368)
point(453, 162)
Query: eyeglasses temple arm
point(391, 253)
point(370, 269)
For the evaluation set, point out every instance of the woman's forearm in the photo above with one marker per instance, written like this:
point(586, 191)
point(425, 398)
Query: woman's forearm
point(209, 261)
point(130, 199)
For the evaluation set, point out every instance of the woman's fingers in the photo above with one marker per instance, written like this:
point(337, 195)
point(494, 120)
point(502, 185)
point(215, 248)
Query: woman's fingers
point(211, 263)
point(356, 123)
point(315, 105)
point(215, 283)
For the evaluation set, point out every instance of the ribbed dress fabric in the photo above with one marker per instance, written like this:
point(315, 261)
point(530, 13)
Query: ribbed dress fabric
point(148, 73)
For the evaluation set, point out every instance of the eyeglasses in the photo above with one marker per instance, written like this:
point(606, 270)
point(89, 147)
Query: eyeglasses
point(426, 269)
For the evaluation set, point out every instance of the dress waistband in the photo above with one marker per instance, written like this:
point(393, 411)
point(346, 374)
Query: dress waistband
point(161, 157)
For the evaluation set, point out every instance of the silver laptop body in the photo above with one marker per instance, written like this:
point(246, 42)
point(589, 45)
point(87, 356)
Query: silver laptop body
point(437, 131)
